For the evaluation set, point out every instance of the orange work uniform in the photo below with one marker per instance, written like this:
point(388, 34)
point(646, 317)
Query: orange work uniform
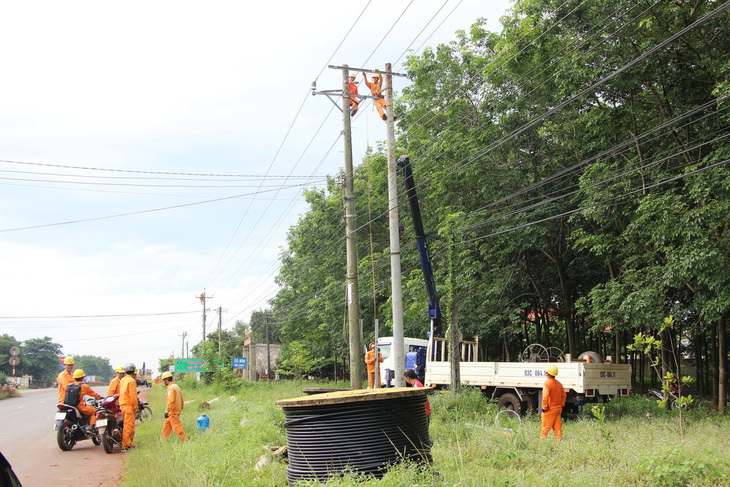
point(64, 379)
point(376, 88)
point(128, 403)
point(370, 361)
point(553, 400)
point(113, 386)
point(90, 411)
point(174, 407)
point(354, 101)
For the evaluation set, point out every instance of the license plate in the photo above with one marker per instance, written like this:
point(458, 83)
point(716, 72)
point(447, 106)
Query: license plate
point(100, 423)
point(60, 416)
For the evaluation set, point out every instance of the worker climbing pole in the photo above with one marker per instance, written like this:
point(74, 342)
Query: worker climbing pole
point(376, 88)
point(354, 100)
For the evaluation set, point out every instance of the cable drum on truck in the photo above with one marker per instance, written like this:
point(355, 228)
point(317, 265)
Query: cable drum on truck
point(360, 431)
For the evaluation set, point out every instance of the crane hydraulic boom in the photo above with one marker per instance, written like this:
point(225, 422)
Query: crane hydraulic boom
point(434, 311)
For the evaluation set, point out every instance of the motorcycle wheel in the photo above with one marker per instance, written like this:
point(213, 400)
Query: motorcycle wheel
point(145, 414)
point(107, 440)
point(65, 436)
point(96, 439)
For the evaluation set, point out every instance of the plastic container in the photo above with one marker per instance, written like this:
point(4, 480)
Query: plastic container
point(203, 422)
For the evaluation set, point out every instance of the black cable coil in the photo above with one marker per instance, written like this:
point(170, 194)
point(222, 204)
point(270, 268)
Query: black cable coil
point(360, 437)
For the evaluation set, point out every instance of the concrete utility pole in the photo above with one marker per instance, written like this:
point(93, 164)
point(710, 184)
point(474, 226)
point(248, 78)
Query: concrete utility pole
point(204, 298)
point(399, 357)
point(353, 296)
point(220, 326)
point(268, 349)
point(182, 347)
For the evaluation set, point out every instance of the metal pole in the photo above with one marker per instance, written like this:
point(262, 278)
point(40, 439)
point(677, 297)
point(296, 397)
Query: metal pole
point(220, 326)
point(398, 351)
point(353, 299)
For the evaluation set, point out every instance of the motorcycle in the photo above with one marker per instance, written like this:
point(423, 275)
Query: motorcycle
point(110, 421)
point(72, 426)
point(144, 412)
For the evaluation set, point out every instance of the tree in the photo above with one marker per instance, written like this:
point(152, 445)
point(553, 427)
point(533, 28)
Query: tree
point(165, 364)
point(94, 366)
point(43, 358)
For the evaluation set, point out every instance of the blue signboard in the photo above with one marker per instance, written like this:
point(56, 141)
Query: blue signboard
point(239, 362)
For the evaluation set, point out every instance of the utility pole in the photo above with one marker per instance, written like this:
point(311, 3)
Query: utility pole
point(182, 347)
point(399, 357)
point(204, 298)
point(268, 349)
point(353, 297)
point(220, 326)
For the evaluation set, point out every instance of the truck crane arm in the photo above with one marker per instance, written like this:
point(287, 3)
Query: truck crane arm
point(434, 311)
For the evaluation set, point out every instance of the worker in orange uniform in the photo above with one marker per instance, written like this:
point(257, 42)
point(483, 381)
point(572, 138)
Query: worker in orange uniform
point(85, 390)
point(370, 361)
point(114, 384)
point(376, 88)
point(553, 401)
point(354, 100)
point(173, 409)
point(128, 403)
point(65, 378)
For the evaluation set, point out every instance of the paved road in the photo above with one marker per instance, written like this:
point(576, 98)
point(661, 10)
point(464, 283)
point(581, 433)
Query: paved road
point(28, 441)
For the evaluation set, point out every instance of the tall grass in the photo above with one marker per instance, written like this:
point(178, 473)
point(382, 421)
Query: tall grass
point(634, 443)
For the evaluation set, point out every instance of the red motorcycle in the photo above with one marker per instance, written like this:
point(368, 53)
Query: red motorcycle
point(109, 420)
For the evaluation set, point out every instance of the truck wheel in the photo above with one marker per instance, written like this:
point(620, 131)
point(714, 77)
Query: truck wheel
point(510, 401)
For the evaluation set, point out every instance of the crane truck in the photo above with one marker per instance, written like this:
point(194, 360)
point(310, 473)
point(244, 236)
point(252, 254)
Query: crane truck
point(514, 385)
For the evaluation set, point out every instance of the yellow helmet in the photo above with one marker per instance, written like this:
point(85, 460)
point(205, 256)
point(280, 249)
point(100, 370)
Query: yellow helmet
point(376, 75)
point(552, 369)
point(79, 374)
point(166, 375)
point(68, 360)
point(119, 370)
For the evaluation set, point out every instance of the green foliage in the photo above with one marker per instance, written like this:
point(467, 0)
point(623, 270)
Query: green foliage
point(165, 364)
point(42, 356)
point(675, 466)
point(94, 366)
point(298, 360)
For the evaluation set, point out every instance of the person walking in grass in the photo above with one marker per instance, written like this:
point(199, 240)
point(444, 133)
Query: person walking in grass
point(553, 401)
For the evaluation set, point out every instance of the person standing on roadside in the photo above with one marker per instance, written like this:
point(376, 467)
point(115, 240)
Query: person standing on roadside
point(553, 401)
point(373, 366)
point(65, 378)
point(128, 402)
point(116, 381)
point(173, 409)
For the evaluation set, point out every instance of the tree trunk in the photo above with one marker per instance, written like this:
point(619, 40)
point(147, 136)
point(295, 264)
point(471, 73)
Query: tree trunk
point(722, 366)
point(715, 368)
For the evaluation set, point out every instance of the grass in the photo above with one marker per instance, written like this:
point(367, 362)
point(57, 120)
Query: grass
point(632, 442)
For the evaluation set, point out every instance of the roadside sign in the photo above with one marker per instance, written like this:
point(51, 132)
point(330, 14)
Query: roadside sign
point(14, 360)
point(185, 365)
point(239, 362)
point(14, 351)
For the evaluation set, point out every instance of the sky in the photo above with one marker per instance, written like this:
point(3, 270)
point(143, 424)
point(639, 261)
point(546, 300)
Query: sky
point(152, 151)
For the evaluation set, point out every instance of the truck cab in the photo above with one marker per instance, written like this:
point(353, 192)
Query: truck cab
point(415, 353)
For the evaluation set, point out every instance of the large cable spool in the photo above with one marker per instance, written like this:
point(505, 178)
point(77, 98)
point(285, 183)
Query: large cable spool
point(355, 431)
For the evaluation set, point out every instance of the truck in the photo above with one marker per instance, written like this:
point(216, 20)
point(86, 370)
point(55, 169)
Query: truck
point(415, 353)
point(518, 385)
point(514, 385)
